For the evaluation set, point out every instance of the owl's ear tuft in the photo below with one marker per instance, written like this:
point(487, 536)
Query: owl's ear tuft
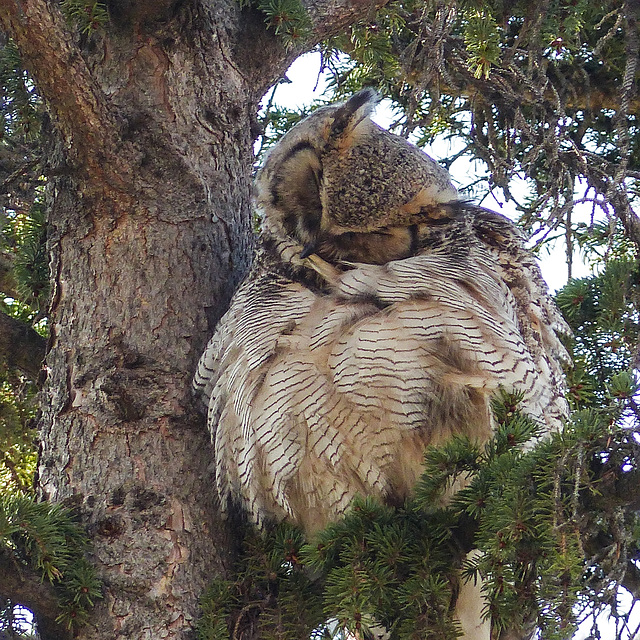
point(349, 115)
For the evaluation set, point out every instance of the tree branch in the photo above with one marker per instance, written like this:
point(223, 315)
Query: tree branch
point(21, 346)
point(264, 57)
point(631, 580)
point(329, 17)
point(628, 217)
point(65, 82)
point(25, 586)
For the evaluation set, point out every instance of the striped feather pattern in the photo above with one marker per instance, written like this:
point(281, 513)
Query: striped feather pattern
point(380, 316)
point(318, 393)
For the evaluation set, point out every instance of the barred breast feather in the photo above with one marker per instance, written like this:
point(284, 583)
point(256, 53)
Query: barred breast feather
point(318, 391)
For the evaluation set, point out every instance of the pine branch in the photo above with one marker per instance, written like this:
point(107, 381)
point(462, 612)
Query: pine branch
point(21, 346)
point(628, 217)
point(14, 167)
point(43, 543)
point(329, 17)
point(631, 580)
point(266, 51)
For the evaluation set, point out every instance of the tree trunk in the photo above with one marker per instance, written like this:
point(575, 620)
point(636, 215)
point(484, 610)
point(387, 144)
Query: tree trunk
point(143, 264)
point(141, 272)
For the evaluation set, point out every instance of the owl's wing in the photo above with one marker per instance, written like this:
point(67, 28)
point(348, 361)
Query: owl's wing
point(539, 321)
point(232, 368)
point(467, 318)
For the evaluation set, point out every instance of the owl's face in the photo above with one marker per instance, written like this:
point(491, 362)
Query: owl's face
point(343, 187)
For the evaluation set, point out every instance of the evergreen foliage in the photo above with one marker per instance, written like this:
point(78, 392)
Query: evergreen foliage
point(603, 313)
point(21, 113)
point(528, 510)
point(20, 105)
point(269, 591)
point(46, 537)
point(24, 237)
point(288, 19)
point(18, 440)
point(88, 16)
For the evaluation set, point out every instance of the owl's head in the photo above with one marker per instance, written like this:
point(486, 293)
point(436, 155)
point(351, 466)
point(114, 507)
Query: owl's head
point(337, 173)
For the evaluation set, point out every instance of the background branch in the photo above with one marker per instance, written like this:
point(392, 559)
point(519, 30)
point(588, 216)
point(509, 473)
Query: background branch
point(21, 346)
point(25, 586)
point(329, 17)
point(264, 52)
point(65, 82)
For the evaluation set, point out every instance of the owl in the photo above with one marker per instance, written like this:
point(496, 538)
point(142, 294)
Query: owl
point(381, 315)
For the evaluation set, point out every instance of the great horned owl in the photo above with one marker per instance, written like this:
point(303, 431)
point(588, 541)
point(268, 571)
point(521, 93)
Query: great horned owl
point(380, 316)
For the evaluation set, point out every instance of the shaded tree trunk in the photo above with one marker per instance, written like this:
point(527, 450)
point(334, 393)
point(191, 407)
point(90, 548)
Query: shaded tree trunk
point(143, 265)
point(149, 234)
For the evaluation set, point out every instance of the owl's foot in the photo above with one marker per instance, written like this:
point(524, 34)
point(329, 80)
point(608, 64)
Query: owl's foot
point(323, 268)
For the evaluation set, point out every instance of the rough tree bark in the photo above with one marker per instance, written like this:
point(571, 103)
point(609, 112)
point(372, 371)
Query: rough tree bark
point(149, 233)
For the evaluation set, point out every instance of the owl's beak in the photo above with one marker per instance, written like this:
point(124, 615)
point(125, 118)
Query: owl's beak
point(308, 249)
